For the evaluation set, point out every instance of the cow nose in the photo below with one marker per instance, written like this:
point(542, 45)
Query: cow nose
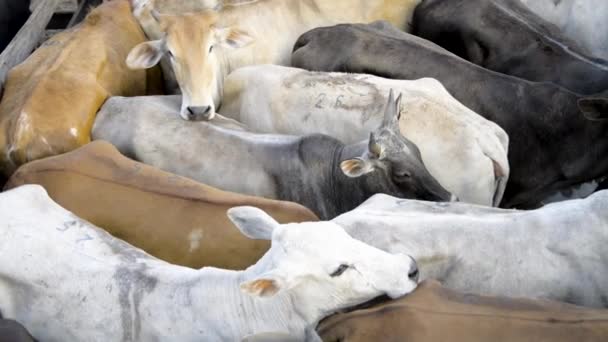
point(199, 113)
point(414, 273)
point(454, 198)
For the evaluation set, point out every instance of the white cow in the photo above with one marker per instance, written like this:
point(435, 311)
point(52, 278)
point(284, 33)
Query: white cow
point(67, 280)
point(585, 21)
point(465, 152)
point(204, 47)
point(558, 252)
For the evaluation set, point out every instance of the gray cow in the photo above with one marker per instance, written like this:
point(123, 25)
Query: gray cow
point(505, 36)
point(317, 171)
point(552, 145)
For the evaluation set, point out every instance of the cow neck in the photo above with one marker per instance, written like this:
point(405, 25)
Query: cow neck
point(576, 146)
point(216, 296)
point(347, 192)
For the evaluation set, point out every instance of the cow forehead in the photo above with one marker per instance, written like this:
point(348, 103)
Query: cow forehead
point(188, 28)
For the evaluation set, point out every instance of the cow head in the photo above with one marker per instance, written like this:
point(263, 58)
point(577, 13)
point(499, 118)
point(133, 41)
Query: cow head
point(321, 267)
point(195, 44)
point(395, 163)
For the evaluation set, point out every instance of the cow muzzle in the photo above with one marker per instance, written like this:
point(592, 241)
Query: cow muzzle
point(199, 113)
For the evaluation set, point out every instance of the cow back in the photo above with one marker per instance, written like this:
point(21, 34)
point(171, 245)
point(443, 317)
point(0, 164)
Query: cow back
point(434, 313)
point(170, 217)
point(50, 100)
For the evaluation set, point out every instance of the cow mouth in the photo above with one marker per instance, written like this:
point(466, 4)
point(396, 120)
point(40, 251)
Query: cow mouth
point(366, 305)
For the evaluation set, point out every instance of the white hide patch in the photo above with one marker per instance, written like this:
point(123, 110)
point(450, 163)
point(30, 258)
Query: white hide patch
point(195, 238)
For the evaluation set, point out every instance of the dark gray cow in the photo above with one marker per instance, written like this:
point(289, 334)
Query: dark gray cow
point(505, 36)
point(552, 145)
point(317, 171)
point(12, 331)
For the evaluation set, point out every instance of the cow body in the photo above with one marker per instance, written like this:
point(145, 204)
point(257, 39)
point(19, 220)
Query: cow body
point(235, 36)
point(305, 170)
point(581, 20)
point(557, 252)
point(50, 100)
point(552, 145)
point(67, 280)
point(137, 203)
point(434, 313)
point(466, 153)
point(505, 36)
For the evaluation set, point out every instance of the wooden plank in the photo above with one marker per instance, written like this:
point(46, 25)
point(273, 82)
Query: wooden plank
point(26, 39)
point(64, 6)
point(82, 11)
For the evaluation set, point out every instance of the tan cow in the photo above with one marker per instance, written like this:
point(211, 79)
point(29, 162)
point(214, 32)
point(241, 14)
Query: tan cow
point(51, 99)
point(170, 217)
point(206, 46)
point(433, 313)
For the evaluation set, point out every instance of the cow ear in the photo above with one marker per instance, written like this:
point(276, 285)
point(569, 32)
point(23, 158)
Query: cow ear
point(594, 108)
point(253, 222)
point(266, 285)
point(233, 38)
point(146, 55)
point(356, 167)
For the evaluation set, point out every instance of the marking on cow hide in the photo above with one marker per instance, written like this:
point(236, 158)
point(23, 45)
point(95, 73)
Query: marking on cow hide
point(67, 225)
point(86, 237)
point(353, 92)
point(133, 284)
point(195, 238)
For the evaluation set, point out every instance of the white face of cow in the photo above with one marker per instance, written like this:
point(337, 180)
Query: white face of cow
point(195, 47)
point(322, 267)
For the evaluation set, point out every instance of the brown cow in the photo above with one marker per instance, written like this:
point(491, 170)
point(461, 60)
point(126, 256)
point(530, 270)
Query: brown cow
point(433, 313)
point(51, 99)
point(170, 217)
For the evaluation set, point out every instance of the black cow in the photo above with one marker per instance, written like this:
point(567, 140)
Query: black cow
point(552, 144)
point(505, 36)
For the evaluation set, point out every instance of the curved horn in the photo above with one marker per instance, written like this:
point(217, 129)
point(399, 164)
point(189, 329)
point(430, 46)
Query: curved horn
point(392, 110)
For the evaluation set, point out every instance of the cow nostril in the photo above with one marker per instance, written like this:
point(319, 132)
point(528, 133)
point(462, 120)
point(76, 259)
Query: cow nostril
point(206, 109)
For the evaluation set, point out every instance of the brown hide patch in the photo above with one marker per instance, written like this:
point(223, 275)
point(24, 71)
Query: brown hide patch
point(137, 202)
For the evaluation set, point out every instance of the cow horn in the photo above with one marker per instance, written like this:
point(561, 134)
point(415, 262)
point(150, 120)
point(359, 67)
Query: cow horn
point(392, 110)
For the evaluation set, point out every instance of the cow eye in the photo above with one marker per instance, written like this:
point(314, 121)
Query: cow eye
point(339, 270)
point(170, 54)
point(210, 48)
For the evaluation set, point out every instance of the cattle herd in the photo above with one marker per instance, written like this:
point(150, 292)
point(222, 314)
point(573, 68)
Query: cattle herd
point(309, 170)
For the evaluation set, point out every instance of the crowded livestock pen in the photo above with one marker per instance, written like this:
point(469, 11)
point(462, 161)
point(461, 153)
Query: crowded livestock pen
point(304, 170)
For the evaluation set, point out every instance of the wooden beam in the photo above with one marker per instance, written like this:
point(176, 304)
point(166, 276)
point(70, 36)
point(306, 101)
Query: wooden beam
point(26, 39)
